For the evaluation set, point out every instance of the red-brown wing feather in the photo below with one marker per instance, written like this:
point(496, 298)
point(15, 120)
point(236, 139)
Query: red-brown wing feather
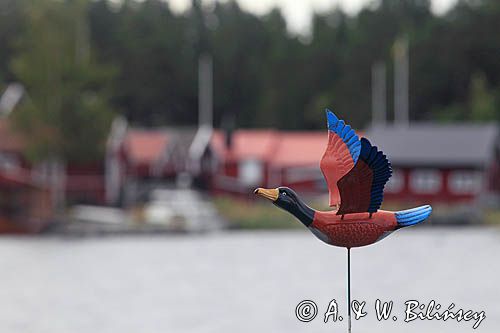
point(355, 189)
point(335, 163)
point(340, 156)
point(361, 189)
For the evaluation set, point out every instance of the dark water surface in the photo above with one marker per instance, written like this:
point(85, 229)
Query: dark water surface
point(242, 281)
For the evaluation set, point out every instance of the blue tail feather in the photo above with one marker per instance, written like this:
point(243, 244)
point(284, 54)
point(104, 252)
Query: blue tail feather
point(413, 216)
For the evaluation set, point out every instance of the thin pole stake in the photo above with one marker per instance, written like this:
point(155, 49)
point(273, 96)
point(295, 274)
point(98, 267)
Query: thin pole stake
point(349, 290)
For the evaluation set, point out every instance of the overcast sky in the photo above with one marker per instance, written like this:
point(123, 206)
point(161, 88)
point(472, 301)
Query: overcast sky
point(298, 12)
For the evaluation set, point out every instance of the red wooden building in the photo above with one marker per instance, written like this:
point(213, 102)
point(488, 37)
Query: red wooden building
point(66, 183)
point(25, 205)
point(25, 200)
point(432, 163)
point(249, 158)
point(139, 159)
point(441, 163)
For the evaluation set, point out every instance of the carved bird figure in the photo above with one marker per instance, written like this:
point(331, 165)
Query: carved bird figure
point(356, 173)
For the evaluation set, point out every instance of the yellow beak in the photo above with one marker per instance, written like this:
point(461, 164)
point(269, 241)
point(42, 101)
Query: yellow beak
point(271, 194)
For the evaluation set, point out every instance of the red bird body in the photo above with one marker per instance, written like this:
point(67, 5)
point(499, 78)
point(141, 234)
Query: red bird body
point(354, 230)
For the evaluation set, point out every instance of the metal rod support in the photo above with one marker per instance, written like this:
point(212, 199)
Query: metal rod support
point(349, 290)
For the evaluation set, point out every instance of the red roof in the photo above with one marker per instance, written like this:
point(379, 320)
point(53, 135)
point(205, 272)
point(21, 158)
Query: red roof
point(258, 144)
point(145, 146)
point(300, 148)
point(18, 178)
point(279, 148)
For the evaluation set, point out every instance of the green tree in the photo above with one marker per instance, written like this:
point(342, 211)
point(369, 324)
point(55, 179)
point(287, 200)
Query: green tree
point(264, 76)
point(11, 21)
point(482, 102)
point(153, 51)
point(66, 114)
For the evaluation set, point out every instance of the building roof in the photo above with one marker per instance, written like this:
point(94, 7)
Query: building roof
point(18, 178)
point(183, 139)
point(420, 144)
point(145, 146)
point(300, 148)
point(153, 147)
point(434, 144)
point(279, 148)
point(246, 144)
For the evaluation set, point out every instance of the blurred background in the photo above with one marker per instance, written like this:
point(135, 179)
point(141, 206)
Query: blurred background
point(151, 122)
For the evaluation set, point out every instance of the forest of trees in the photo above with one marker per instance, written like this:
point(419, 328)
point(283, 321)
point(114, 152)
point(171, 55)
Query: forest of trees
point(83, 61)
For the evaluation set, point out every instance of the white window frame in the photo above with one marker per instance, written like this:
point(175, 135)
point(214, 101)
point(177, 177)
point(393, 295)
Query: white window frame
point(465, 181)
point(426, 181)
point(251, 172)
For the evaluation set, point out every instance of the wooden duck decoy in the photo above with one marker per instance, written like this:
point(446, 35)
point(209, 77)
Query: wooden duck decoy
point(356, 173)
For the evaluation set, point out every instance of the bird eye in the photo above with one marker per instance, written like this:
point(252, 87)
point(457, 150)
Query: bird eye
point(284, 193)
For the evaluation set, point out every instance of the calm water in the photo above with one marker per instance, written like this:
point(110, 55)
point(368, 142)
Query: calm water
point(241, 282)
